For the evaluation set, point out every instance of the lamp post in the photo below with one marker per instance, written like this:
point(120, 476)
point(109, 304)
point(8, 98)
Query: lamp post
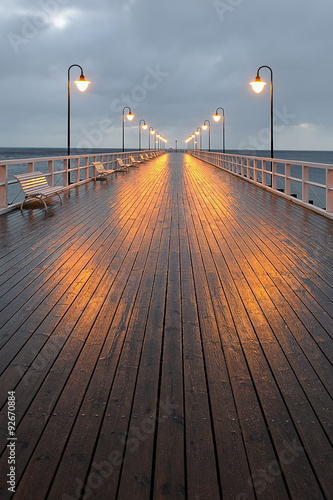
point(204, 127)
point(193, 137)
point(198, 132)
point(144, 126)
point(82, 84)
point(216, 118)
point(152, 132)
point(257, 86)
point(129, 117)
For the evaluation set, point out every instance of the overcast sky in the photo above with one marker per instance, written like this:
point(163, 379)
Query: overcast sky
point(173, 62)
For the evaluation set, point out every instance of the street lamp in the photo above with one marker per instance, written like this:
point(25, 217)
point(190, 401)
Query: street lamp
point(258, 85)
point(82, 84)
point(152, 132)
point(144, 126)
point(198, 132)
point(129, 117)
point(157, 140)
point(204, 127)
point(216, 118)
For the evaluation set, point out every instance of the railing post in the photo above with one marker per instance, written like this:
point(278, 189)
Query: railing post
point(65, 169)
point(274, 176)
point(255, 170)
point(329, 190)
point(305, 185)
point(3, 187)
point(287, 179)
point(77, 170)
point(50, 168)
point(86, 175)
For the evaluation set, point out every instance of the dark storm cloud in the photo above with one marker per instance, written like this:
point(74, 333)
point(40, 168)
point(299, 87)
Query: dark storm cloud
point(173, 62)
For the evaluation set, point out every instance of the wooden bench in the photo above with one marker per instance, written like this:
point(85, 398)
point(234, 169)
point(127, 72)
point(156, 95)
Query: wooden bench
point(122, 164)
point(35, 186)
point(135, 163)
point(101, 172)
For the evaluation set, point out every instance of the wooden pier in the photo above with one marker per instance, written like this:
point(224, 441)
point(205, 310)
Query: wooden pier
point(168, 335)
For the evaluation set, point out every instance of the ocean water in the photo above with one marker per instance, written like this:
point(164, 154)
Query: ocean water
point(308, 156)
point(25, 153)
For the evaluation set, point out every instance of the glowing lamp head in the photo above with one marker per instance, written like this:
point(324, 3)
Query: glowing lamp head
point(204, 126)
point(197, 132)
point(216, 117)
point(152, 132)
point(82, 84)
point(258, 85)
point(130, 116)
point(144, 126)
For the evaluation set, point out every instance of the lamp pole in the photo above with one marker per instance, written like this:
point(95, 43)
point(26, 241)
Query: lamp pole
point(82, 85)
point(257, 86)
point(144, 126)
point(198, 132)
point(152, 132)
point(204, 127)
point(217, 119)
point(130, 117)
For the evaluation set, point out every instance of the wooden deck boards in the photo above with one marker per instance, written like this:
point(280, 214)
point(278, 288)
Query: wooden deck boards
point(168, 334)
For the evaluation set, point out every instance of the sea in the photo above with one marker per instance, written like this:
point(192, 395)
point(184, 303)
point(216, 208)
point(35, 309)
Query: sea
point(34, 152)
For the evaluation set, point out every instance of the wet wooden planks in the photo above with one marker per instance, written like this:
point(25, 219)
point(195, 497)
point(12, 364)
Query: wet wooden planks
point(169, 335)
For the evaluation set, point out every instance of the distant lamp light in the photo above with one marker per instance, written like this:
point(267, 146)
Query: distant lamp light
point(216, 117)
point(82, 84)
point(145, 126)
point(257, 85)
point(130, 116)
point(204, 126)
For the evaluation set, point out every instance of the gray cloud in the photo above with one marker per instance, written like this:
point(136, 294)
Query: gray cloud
point(174, 62)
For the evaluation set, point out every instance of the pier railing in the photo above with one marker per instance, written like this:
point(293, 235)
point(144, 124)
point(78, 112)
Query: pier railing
point(308, 184)
point(67, 171)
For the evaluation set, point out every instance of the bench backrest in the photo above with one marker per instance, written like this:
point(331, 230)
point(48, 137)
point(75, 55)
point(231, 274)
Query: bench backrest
point(99, 166)
point(121, 162)
point(31, 182)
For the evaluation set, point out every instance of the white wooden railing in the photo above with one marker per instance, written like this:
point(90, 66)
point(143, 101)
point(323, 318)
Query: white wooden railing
point(57, 169)
point(308, 184)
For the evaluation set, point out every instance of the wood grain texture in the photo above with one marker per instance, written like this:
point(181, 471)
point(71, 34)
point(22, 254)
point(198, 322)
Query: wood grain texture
point(168, 335)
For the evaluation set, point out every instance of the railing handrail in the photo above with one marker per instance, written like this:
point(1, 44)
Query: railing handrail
point(263, 171)
point(108, 158)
